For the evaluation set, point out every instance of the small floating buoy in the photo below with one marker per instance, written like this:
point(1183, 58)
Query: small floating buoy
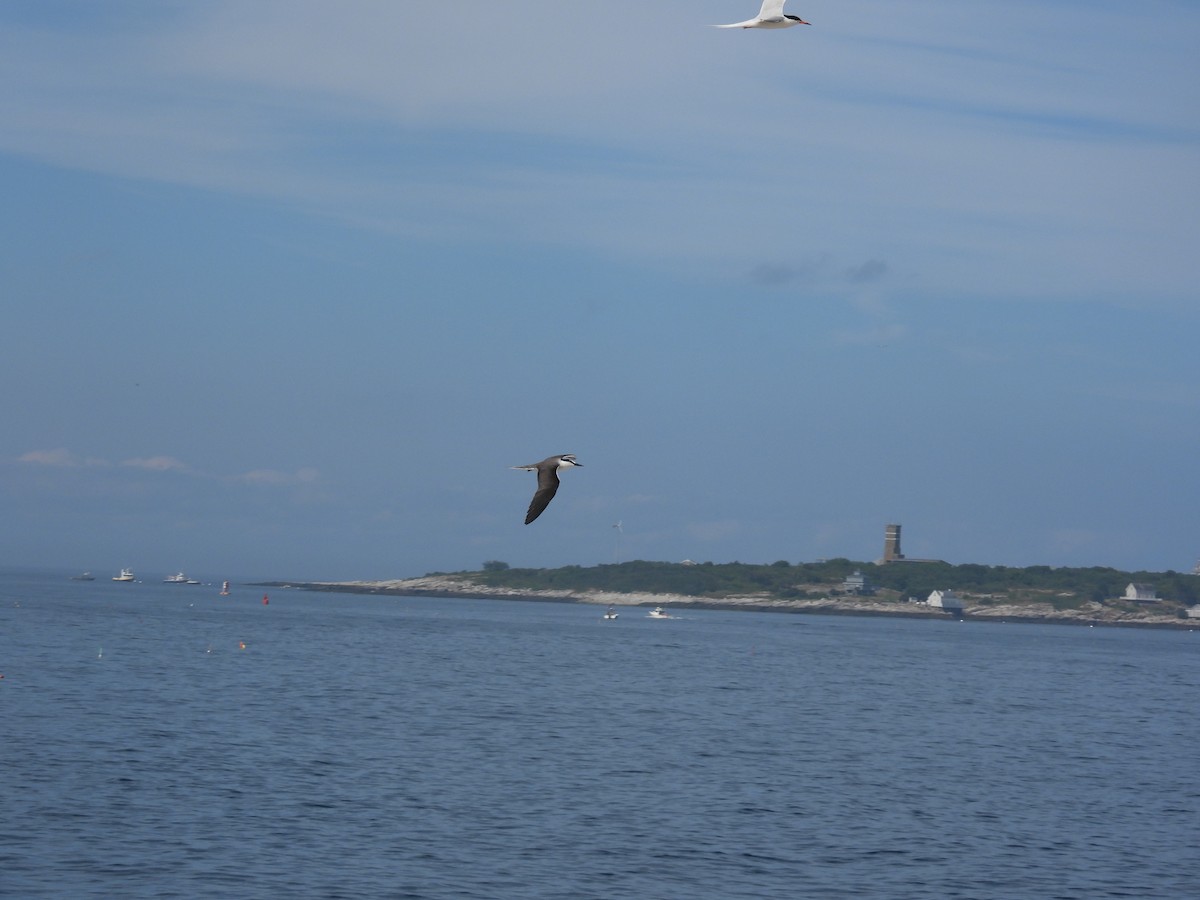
point(241, 645)
point(265, 601)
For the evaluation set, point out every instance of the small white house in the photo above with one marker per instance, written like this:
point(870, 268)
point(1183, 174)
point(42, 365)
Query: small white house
point(1140, 593)
point(947, 600)
point(1193, 612)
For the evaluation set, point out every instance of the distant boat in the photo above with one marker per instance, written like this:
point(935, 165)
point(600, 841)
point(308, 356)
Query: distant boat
point(225, 589)
point(86, 576)
point(659, 613)
point(180, 578)
point(610, 613)
point(126, 575)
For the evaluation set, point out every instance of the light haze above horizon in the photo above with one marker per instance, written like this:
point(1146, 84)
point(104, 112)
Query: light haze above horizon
point(289, 286)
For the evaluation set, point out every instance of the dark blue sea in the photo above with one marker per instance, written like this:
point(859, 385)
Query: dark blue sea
point(163, 741)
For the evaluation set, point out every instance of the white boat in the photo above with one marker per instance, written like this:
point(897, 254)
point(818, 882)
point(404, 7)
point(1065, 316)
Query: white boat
point(126, 575)
point(86, 576)
point(659, 613)
point(180, 578)
point(610, 613)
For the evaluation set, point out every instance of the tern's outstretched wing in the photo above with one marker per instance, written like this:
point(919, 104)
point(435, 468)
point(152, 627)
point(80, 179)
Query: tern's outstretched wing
point(547, 487)
point(771, 13)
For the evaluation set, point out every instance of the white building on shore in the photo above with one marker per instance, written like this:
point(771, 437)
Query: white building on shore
point(947, 600)
point(1140, 593)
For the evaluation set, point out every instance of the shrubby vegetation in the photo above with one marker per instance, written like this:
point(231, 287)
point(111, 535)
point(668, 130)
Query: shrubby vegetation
point(1064, 587)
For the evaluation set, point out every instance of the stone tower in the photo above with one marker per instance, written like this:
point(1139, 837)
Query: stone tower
point(891, 544)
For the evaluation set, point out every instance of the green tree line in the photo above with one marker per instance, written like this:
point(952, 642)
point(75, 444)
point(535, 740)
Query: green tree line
point(787, 580)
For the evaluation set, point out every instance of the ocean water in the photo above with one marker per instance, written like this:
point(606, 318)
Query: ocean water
point(162, 741)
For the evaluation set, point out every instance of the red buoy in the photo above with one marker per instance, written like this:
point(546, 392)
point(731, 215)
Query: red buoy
point(265, 600)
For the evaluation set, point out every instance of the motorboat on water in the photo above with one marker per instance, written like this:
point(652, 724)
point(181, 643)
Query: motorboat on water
point(659, 613)
point(126, 575)
point(179, 578)
point(610, 613)
point(86, 576)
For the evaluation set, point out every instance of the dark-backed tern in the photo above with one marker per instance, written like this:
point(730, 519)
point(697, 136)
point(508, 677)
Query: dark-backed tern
point(547, 473)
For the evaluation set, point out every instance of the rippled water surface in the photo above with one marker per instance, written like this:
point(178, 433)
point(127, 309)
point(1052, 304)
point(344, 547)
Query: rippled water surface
point(162, 741)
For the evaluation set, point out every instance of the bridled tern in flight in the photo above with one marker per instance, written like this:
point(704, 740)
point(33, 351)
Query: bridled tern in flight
point(770, 16)
point(547, 472)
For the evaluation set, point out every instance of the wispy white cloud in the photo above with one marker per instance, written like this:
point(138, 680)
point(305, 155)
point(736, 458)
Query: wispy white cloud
point(276, 477)
point(159, 464)
point(64, 458)
point(954, 148)
point(60, 457)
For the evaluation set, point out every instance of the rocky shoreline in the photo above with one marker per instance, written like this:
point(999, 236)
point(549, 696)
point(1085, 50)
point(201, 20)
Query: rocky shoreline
point(450, 586)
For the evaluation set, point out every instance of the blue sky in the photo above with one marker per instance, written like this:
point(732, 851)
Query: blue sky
point(287, 286)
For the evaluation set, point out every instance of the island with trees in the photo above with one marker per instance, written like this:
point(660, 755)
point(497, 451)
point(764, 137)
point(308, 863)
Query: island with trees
point(1094, 596)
